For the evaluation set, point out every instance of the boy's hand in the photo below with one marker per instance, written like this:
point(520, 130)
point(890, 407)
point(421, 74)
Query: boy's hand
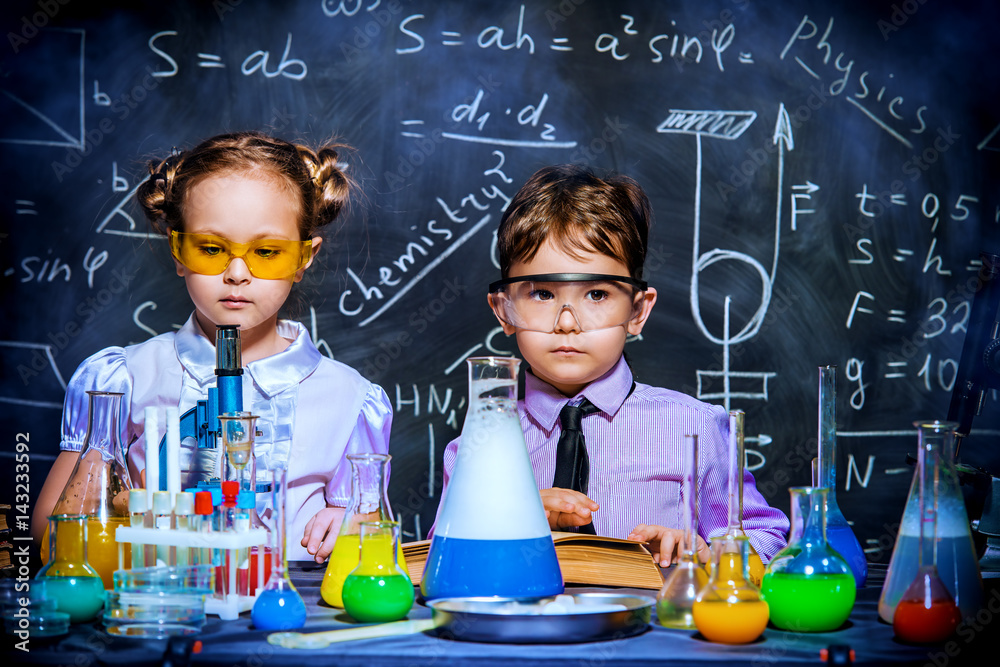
point(665, 542)
point(321, 532)
point(566, 508)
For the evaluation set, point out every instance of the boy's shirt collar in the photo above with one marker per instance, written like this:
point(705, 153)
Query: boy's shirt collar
point(544, 402)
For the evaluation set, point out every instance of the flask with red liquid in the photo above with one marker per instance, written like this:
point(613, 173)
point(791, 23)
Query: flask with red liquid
point(927, 613)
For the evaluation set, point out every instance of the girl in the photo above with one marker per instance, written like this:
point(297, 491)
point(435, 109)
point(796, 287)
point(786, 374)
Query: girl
point(242, 214)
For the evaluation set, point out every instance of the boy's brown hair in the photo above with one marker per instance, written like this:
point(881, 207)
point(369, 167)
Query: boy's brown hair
point(573, 206)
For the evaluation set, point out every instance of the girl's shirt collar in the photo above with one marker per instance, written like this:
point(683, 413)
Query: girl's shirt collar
point(272, 375)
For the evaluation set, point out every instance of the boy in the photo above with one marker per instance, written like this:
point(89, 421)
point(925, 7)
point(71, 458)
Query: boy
point(571, 249)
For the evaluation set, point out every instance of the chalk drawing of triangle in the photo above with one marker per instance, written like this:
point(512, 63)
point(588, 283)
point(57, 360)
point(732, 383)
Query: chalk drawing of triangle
point(42, 384)
point(42, 91)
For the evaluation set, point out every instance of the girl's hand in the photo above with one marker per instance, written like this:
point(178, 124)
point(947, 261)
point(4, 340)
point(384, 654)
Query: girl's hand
point(321, 532)
point(666, 542)
point(565, 508)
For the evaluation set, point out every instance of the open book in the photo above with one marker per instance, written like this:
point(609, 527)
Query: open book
point(584, 559)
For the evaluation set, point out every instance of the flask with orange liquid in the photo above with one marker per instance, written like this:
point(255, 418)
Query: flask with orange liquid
point(728, 610)
point(737, 462)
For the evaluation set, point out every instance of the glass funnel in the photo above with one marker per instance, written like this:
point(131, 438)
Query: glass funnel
point(99, 486)
point(687, 577)
point(69, 578)
point(737, 462)
point(378, 590)
point(838, 532)
point(955, 552)
point(239, 431)
point(808, 586)
point(729, 609)
point(279, 606)
point(368, 502)
point(510, 553)
point(927, 613)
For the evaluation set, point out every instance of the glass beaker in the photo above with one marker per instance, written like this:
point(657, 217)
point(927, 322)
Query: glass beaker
point(676, 599)
point(956, 554)
point(378, 590)
point(808, 586)
point(838, 532)
point(238, 435)
point(927, 613)
point(511, 553)
point(737, 461)
point(279, 606)
point(69, 579)
point(99, 486)
point(728, 609)
point(368, 502)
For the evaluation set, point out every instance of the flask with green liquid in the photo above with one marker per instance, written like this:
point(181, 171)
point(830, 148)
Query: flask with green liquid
point(808, 586)
point(378, 590)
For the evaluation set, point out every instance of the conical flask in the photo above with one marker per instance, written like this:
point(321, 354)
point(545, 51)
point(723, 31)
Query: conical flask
point(838, 532)
point(687, 577)
point(491, 536)
point(808, 586)
point(279, 606)
point(956, 554)
point(69, 579)
point(99, 485)
point(927, 613)
point(368, 502)
point(377, 590)
point(737, 461)
point(728, 609)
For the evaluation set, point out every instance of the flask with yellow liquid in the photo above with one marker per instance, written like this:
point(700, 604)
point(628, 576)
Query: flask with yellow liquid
point(368, 502)
point(98, 488)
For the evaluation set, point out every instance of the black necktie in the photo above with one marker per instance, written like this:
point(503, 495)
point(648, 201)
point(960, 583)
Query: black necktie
point(572, 462)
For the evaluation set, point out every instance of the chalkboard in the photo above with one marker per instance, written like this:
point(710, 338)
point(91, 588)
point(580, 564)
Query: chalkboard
point(823, 177)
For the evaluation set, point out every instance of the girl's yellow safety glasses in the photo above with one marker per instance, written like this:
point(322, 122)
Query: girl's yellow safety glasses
point(268, 259)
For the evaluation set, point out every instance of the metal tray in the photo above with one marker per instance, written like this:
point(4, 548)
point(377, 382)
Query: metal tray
point(480, 619)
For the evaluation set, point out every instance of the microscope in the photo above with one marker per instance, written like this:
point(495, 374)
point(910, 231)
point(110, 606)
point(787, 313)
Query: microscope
point(979, 373)
point(203, 463)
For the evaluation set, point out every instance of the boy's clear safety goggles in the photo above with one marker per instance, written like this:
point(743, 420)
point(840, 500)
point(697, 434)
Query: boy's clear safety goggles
point(267, 259)
point(596, 301)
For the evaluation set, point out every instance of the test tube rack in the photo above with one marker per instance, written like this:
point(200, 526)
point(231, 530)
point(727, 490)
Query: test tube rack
point(226, 606)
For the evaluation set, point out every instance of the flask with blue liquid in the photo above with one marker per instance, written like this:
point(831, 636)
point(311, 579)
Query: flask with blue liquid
point(491, 536)
point(839, 533)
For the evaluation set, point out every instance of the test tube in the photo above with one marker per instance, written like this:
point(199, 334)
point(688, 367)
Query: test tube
point(183, 509)
point(227, 513)
point(245, 501)
point(161, 521)
point(203, 522)
point(137, 505)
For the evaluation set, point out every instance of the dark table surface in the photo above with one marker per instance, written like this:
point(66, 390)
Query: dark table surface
point(237, 644)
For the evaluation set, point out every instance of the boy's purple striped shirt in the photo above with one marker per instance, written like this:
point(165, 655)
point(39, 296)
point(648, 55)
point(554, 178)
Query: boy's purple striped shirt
point(636, 449)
